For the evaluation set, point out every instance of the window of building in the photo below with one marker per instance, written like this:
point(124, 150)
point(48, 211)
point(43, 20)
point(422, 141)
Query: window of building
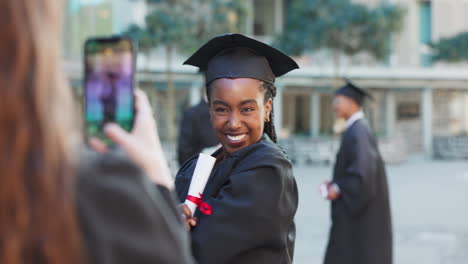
point(264, 17)
point(425, 31)
point(408, 111)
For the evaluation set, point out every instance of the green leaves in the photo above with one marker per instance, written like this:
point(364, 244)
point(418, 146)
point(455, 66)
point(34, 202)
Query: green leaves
point(186, 24)
point(339, 25)
point(166, 26)
point(145, 41)
point(453, 49)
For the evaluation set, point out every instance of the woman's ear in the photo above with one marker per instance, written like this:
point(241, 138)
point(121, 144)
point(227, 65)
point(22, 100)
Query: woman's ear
point(268, 108)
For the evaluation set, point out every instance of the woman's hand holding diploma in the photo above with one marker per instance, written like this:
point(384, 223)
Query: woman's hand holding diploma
point(200, 177)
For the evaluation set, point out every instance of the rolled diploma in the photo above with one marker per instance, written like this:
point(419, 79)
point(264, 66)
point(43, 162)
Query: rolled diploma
point(324, 190)
point(200, 176)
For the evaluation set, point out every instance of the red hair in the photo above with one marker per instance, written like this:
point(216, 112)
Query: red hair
point(38, 222)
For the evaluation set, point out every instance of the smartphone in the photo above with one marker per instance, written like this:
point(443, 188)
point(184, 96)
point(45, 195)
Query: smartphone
point(109, 70)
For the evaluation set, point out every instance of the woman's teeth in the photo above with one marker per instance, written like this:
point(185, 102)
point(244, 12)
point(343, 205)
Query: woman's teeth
point(236, 138)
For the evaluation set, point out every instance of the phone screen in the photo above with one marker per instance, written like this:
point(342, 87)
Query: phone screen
point(108, 84)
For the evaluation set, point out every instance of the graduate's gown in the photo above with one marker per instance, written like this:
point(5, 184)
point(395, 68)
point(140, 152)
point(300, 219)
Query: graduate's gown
point(361, 231)
point(254, 198)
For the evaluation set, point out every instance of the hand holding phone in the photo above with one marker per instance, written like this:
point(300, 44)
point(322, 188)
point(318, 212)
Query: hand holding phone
point(108, 84)
point(142, 144)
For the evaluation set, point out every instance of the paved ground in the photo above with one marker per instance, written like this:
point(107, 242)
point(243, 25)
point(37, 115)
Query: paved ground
point(429, 206)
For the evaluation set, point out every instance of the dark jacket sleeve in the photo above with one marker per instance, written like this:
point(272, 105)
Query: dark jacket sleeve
point(126, 219)
point(186, 146)
point(358, 185)
point(252, 215)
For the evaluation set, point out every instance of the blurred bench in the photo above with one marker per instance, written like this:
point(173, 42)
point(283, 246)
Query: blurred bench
point(322, 151)
point(450, 147)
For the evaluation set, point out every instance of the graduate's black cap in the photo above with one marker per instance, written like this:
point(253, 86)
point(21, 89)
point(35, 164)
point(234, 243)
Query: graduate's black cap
point(237, 56)
point(352, 91)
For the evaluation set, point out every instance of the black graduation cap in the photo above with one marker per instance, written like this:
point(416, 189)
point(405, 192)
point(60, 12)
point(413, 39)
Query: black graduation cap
point(352, 91)
point(237, 56)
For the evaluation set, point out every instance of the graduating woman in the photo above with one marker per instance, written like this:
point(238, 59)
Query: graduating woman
point(251, 190)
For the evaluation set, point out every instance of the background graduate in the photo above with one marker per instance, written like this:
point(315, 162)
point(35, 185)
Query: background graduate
point(196, 132)
point(251, 189)
point(361, 231)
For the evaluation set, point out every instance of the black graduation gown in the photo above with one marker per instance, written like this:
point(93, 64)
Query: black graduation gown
point(196, 132)
point(126, 219)
point(254, 198)
point(361, 231)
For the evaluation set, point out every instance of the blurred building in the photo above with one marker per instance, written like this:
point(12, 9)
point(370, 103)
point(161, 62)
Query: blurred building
point(417, 104)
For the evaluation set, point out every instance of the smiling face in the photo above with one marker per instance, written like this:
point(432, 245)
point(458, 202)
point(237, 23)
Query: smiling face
point(238, 111)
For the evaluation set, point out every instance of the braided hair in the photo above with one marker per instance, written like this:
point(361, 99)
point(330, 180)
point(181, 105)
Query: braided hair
point(269, 128)
point(270, 93)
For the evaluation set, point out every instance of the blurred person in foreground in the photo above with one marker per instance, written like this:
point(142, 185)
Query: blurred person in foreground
point(361, 231)
point(59, 204)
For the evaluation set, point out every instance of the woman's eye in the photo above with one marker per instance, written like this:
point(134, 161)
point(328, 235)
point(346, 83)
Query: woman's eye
point(220, 110)
point(247, 109)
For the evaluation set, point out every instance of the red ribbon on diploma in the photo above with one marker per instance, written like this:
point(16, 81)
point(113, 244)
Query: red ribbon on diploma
point(204, 207)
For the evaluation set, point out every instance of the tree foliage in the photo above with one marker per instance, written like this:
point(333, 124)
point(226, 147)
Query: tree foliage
point(341, 26)
point(454, 49)
point(186, 24)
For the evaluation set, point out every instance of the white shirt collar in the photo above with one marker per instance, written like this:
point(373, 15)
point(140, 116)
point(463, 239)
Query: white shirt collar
point(355, 117)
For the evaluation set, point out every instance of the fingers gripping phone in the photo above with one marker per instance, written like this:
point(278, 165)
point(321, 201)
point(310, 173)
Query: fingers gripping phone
point(109, 67)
